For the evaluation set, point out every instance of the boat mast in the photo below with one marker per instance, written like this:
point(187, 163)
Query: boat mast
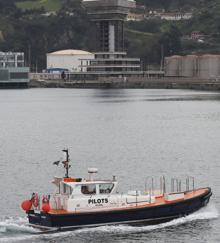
point(66, 162)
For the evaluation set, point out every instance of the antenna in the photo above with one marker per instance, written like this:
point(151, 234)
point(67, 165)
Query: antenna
point(66, 162)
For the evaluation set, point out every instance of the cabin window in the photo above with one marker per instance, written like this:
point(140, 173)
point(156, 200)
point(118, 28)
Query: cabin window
point(105, 188)
point(88, 189)
point(67, 189)
point(64, 188)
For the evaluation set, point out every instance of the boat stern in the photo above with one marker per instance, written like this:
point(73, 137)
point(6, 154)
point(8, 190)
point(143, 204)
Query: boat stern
point(39, 219)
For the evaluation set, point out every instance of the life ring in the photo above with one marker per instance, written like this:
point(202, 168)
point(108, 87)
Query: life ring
point(35, 200)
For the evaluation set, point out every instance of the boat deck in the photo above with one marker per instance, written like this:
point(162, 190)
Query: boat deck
point(158, 201)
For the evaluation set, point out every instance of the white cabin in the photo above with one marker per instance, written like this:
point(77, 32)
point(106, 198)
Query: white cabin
point(77, 195)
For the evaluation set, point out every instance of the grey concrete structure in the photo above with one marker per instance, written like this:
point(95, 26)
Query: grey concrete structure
point(105, 62)
point(13, 74)
point(132, 81)
point(110, 55)
point(109, 16)
point(14, 77)
point(11, 59)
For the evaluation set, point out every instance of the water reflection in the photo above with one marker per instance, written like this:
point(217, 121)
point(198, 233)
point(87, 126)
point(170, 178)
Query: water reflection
point(123, 95)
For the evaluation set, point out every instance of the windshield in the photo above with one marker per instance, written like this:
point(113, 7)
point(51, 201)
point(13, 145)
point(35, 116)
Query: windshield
point(65, 189)
point(88, 189)
point(105, 188)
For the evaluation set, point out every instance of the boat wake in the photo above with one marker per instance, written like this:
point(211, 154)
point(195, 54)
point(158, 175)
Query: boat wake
point(11, 228)
point(16, 229)
point(15, 225)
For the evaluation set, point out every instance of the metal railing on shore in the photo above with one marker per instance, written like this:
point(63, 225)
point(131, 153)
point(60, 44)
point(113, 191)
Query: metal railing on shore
point(130, 78)
point(133, 80)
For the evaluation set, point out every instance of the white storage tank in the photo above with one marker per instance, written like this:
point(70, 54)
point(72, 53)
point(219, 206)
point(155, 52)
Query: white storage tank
point(172, 66)
point(208, 66)
point(189, 66)
point(73, 60)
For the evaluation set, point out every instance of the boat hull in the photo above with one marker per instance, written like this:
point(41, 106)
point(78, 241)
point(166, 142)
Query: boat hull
point(147, 215)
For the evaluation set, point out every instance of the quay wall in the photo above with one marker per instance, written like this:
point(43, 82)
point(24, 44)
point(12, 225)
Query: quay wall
point(131, 82)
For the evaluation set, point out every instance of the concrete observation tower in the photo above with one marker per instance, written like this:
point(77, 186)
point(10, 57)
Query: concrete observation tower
point(109, 16)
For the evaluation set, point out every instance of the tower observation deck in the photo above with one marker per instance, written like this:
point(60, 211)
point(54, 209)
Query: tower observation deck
point(109, 16)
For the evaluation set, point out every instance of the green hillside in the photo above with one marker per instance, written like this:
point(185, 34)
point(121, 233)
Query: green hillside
point(48, 5)
point(24, 26)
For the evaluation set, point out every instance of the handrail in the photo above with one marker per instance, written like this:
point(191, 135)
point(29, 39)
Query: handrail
point(176, 185)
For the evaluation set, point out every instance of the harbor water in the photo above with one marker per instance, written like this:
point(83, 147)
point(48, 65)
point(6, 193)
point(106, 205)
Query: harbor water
point(131, 134)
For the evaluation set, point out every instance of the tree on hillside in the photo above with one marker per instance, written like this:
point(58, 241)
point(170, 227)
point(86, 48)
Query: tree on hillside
point(7, 7)
point(170, 41)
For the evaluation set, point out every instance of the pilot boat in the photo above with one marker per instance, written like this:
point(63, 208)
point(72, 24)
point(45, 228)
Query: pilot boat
point(91, 202)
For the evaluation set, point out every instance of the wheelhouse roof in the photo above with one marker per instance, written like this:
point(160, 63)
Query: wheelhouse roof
point(85, 182)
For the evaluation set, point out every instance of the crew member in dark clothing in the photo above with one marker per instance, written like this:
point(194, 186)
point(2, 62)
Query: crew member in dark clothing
point(63, 75)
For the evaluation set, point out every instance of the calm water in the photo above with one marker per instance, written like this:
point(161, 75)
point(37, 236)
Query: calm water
point(128, 133)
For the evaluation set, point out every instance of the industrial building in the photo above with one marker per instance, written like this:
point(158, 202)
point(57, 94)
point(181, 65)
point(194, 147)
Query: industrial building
point(13, 73)
point(11, 59)
point(71, 60)
point(110, 55)
point(119, 63)
point(199, 66)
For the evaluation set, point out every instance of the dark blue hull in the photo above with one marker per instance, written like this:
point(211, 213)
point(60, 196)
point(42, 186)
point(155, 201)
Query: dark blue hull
point(148, 215)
